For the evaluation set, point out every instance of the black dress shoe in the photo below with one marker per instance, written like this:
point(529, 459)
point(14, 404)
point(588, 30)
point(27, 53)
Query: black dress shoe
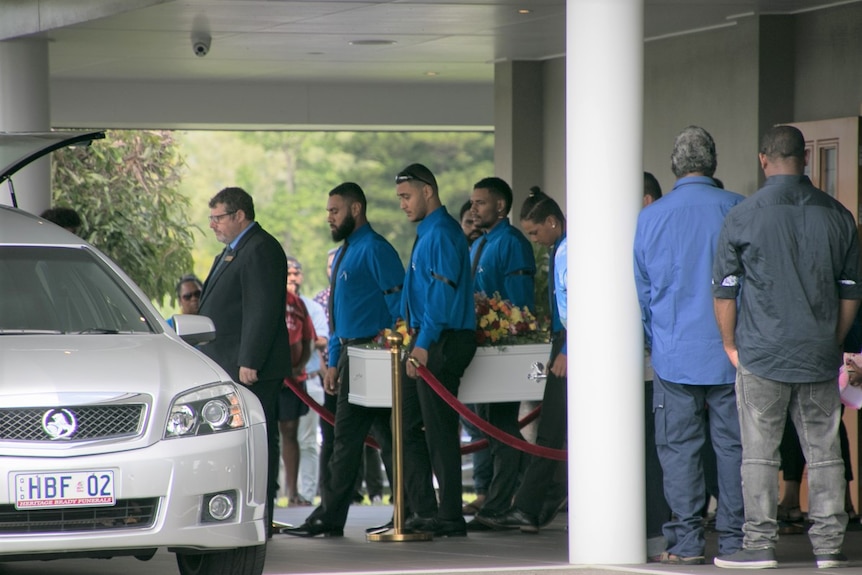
point(475, 525)
point(439, 527)
point(550, 510)
point(514, 518)
point(313, 528)
point(381, 528)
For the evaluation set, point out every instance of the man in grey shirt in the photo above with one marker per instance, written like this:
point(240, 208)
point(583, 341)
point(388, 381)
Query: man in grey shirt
point(791, 254)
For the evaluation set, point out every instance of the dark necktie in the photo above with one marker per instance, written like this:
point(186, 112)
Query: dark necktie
point(223, 259)
point(333, 277)
point(478, 255)
point(408, 279)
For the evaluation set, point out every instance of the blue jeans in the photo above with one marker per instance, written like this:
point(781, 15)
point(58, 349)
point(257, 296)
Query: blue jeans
point(680, 427)
point(815, 409)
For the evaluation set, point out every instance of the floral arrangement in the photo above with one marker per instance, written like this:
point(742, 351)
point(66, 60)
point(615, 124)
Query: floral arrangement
point(499, 322)
point(400, 327)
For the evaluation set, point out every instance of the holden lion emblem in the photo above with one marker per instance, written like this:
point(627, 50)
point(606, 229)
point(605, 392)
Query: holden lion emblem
point(59, 423)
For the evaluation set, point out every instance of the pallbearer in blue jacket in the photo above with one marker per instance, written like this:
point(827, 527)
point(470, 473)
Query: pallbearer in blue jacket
point(364, 298)
point(502, 262)
point(438, 306)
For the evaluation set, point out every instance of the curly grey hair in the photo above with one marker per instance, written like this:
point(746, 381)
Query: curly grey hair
point(693, 151)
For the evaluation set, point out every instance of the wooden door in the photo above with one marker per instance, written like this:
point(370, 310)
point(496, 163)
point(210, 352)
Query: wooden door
point(833, 158)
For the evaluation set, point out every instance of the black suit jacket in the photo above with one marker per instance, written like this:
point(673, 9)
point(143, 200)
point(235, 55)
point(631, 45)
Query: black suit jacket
point(245, 299)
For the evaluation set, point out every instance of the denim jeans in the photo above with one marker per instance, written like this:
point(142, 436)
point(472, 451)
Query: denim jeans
point(680, 423)
point(815, 409)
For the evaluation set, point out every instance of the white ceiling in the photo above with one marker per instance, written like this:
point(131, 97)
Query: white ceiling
point(310, 40)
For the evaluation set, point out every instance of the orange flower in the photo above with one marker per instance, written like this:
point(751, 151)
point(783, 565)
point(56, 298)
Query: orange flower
point(499, 322)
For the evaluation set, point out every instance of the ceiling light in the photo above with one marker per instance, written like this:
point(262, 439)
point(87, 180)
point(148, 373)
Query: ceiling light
point(371, 42)
point(524, 11)
point(432, 73)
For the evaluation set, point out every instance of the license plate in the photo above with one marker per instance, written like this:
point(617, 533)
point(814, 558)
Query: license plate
point(66, 489)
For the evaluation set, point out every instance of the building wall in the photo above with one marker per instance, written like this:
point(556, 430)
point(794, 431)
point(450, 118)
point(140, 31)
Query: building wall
point(708, 79)
point(828, 63)
point(554, 96)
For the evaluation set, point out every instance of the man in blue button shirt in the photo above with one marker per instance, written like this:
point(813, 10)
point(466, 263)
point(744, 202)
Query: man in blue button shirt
point(502, 262)
point(438, 306)
point(673, 252)
point(365, 297)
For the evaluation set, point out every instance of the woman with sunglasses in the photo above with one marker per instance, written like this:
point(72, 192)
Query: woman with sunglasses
point(189, 295)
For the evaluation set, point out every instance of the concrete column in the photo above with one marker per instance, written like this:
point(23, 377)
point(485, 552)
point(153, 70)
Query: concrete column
point(604, 103)
point(25, 107)
point(518, 128)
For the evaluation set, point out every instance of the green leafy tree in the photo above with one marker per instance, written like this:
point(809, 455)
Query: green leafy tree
point(125, 188)
point(289, 175)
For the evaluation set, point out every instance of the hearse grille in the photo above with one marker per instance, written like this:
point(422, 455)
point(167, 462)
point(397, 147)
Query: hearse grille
point(93, 422)
point(126, 514)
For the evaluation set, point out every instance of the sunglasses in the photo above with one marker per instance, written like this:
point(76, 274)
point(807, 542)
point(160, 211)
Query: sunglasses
point(190, 295)
point(407, 176)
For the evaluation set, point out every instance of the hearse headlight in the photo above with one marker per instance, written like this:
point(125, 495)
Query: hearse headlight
point(205, 410)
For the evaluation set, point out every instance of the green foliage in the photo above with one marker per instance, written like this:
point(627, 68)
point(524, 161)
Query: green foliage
point(289, 174)
point(125, 188)
point(543, 310)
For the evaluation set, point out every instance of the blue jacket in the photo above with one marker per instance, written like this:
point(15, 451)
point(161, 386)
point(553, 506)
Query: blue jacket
point(438, 288)
point(368, 283)
point(506, 265)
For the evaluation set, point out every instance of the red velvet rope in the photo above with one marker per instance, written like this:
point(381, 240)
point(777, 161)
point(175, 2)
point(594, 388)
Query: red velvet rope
point(483, 443)
point(484, 426)
point(327, 415)
point(329, 418)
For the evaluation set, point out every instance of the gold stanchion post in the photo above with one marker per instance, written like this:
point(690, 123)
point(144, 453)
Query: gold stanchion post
point(397, 532)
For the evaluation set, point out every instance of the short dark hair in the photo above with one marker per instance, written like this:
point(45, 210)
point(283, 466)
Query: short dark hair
point(187, 278)
point(417, 172)
point(783, 142)
point(234, 199)
point(693, 151)
point(651, 186)
point(63, 217)
point(351, 192)
point(498, 187)
point(539, 206)
point(464, 209)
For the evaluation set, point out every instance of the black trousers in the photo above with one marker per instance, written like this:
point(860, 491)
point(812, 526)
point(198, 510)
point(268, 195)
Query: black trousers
point(327, 431)
point(507, 461)
point(431, 439)
point(542, 478)
point(267, 391)
point(352, 424)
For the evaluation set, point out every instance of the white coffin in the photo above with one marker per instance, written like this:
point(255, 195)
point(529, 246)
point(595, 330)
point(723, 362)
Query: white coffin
point(496, 374)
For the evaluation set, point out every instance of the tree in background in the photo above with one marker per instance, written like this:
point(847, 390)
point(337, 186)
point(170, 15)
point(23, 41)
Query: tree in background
point(125, 188)
point(289, 174)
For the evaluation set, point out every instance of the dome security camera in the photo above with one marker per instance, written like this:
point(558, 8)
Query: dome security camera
point(201, 44)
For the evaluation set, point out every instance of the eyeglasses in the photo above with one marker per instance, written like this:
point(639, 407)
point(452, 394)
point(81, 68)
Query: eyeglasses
point(407, 176)
point(218, 217)
point(190, 295)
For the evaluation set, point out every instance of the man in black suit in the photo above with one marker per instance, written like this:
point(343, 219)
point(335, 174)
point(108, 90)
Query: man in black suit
point(244, 295)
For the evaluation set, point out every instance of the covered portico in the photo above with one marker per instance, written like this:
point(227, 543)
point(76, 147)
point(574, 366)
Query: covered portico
point(584, 122)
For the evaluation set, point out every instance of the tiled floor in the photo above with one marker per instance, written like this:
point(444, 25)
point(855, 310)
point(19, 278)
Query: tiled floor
point(509, 551)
